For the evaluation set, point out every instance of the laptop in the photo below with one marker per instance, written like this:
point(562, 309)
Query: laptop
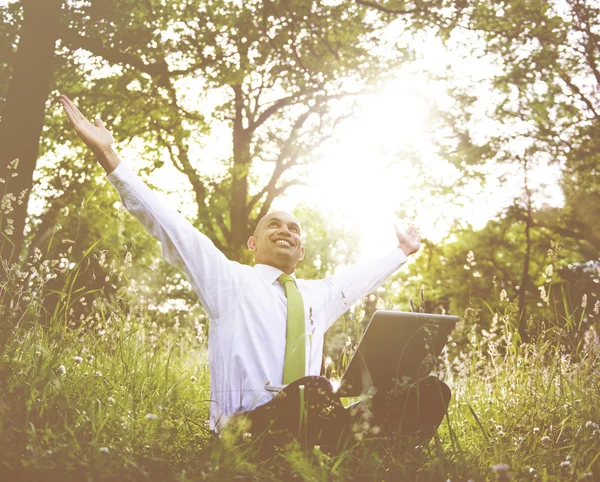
point(396, 348)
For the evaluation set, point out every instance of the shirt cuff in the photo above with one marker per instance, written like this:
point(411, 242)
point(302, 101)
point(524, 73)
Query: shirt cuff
point(397, 256)
point(121, 176)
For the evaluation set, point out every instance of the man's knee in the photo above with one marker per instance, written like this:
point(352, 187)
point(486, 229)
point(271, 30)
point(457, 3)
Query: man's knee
point(436, 387)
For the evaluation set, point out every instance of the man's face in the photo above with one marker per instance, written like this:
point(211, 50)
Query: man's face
point(277, 241)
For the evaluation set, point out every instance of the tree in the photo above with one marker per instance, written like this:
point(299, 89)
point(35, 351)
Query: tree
point(23, 117)
point(284, 70)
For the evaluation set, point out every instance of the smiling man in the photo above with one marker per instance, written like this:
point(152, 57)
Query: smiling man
point(266, 327)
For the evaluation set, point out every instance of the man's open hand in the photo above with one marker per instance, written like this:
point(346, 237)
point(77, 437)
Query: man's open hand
point(409, 241)
point(96, 137)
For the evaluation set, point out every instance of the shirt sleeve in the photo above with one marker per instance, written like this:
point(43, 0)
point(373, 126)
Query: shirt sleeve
point(350, 284)
point(213, 277)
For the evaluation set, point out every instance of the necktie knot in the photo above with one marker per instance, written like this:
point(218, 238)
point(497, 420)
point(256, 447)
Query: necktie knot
point(285, 278)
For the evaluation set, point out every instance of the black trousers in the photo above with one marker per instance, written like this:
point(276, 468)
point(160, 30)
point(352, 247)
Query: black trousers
point(413, 411)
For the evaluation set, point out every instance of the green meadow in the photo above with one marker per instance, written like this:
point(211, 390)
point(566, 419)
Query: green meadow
point(118, 396)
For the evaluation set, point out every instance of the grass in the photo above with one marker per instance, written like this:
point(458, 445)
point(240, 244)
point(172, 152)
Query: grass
point(114, 396)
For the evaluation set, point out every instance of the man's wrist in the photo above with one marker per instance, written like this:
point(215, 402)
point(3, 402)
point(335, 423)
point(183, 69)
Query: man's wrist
point(406, 250)
point(108, 159)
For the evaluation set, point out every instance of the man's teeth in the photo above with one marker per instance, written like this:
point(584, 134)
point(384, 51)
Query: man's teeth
point(283, 242)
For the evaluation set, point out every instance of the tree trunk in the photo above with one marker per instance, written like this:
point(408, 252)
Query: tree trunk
point(22, 117)
point(238, 212)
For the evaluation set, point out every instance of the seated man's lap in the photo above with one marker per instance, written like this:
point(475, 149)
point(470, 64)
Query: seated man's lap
point(418, 408)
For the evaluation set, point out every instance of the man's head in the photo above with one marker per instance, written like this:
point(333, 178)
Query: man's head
point(277, 241)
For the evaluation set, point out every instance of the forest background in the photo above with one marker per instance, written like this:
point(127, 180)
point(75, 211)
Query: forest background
point(237, 104)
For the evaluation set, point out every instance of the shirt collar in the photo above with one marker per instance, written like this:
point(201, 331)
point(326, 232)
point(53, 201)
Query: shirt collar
point(269, 273)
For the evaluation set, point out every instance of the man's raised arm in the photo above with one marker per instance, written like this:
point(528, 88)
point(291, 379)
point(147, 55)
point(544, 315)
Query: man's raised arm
point(356, 281)
point(213, 277)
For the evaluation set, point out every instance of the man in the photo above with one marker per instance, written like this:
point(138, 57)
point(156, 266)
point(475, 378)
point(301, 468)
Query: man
point(266, 327)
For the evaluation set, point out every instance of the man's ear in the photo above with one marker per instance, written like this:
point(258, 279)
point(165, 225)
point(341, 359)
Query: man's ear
point(301, 254)
point(251, 243)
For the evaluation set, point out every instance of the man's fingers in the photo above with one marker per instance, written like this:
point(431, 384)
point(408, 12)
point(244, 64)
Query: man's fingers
point(76, 113)
point(99, 122)
point(69, 112)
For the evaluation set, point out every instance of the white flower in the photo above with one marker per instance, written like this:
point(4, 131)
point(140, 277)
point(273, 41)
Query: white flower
point(565, 463)
point(104, 450)
point(503, 295)
point(62, 370)
point(549, 271)
point(584, 301)
point(193, 378)
point(536, 429)
point(77, 359)
point(500, 468)
point(111, 400)
point(151, 416)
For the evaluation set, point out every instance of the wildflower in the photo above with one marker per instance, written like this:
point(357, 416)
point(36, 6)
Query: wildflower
point(549, 271)
point(546, 440)
point(597, 307)
point(111, 400)
point(246, 436)
point(536, 429)
point(584, 301)
point(543, 295)
point(501, 471)
point(62, 370)
point(471, 258)
point(22, 195)
point(564, 464)
point(77, 359)
point(6, 203)
point(193, 379)
point(151, 416)
point(503, 295)
point(10, 228)
point(14, 164)
point(98, 374)
point(104, 450)
point(128, 259)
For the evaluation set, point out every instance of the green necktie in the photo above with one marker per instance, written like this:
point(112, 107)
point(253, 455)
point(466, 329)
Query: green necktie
point(295, 345)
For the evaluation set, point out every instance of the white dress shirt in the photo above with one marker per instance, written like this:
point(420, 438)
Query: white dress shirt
point(246, 305)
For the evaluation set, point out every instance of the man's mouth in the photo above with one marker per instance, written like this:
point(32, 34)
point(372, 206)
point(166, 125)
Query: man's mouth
point(283, 242)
